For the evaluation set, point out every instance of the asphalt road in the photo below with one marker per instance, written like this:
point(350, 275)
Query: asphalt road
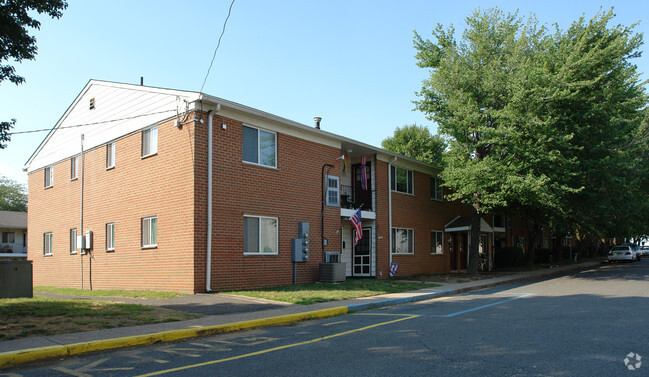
point(584, 324)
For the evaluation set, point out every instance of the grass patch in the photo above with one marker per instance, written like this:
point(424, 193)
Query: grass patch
point(307, 294)
point(43, 316)
point(109, 293)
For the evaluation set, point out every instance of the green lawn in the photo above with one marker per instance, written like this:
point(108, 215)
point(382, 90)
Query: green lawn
point(109, 293)
point(306, 294)
point(42, 316)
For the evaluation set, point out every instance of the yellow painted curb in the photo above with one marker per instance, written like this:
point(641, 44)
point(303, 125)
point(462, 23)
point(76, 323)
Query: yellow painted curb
point(15, 358)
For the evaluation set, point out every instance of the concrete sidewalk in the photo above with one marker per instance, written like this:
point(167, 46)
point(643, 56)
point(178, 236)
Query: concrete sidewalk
point(226, 313)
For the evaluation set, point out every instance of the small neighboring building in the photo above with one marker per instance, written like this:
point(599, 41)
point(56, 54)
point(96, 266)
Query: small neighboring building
point(13, 233)
point(187, 192)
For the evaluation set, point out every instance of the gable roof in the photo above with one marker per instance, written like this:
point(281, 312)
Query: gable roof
point(13, 220)
point(121, 109)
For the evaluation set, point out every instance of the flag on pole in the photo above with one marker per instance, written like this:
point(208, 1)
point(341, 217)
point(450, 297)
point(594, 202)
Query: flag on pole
point(344, 157)
point(363, 173)
point(358, 227)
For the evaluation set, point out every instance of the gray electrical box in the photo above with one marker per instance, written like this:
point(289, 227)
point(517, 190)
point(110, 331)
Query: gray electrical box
point(300, 246)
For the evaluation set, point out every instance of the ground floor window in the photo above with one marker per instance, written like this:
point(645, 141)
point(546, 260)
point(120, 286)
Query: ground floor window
point(436, 242)
point(110, 237)
point(403, 241)
point(150, 231)
point(73, 241)
point(47, 244)
point(259, 235)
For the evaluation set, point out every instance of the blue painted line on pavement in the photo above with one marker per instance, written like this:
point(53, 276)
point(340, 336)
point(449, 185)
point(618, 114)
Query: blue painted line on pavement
point(483, 306)
point(399, 300)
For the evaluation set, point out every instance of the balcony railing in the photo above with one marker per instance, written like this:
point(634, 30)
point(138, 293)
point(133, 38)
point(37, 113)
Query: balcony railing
point(351, 200)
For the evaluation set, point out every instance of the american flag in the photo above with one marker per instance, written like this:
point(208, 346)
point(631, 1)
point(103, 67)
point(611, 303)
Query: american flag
point(363, 173)
point(356, 222)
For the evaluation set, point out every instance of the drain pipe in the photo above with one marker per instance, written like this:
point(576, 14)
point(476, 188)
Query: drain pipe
point(390, 210)
point(208, 263)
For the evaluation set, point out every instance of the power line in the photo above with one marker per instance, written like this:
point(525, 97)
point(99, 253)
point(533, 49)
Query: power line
point(217, 45)
point(90, 124)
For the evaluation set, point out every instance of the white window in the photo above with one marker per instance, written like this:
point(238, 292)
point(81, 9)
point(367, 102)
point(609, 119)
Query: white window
point(150, 141)
point(332, 191)
point(401, 180)
point(436, 242)
point(259, 235)
point(47, 244)
point(8, 237)
point(74, 167)
point(436, 191)
point(73, 241)
point(110, 237)
point(49, 176)
point(403, 241)
point(259, 147)
point(150, 231)
point(110, 155)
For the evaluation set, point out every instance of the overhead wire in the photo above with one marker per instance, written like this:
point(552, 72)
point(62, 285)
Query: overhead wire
point(225, 23)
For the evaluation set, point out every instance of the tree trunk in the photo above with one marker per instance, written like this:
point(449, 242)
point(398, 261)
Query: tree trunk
point(474, 243)
point(533, 236)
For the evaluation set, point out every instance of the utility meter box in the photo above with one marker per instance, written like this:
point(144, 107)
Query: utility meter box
point(300, 246)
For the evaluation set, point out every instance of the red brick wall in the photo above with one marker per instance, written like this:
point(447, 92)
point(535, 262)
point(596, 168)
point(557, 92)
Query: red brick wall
point(423, 215)
point(160, 185)
point(291, 193)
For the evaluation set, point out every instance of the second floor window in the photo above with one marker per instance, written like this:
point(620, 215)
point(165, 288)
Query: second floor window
point(150, 141)
point(259, 147)
point(436, 191)
point(74, 167)
point(401, 180)
point(110, 155)
point(332, 191)
point(49, 176)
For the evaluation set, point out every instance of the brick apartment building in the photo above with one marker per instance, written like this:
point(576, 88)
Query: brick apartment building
point(131, 164)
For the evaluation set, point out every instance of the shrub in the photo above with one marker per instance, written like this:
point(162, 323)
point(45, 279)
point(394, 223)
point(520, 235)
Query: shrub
point(542, 255)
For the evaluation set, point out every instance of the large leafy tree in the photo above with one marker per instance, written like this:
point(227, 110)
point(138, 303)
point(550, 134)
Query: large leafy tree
point(16, 44)
point(12, 195)
point(416, 142)
point(531, 115)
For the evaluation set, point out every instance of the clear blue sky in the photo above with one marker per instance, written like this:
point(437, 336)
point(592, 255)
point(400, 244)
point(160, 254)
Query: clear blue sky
point(350, 62)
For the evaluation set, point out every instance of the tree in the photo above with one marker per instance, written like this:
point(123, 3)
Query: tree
point(416, 142)
point(538, 122)
point(15, 42)
point(12, 195)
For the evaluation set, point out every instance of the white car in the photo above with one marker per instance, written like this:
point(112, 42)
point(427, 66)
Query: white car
point(622, 252)
point(644, 250)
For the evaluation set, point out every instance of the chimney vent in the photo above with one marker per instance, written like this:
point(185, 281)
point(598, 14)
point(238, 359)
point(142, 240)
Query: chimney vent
point(317, 122)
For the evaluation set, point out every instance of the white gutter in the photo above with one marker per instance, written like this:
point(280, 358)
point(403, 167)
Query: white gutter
point(208, 263)
point(390, 210)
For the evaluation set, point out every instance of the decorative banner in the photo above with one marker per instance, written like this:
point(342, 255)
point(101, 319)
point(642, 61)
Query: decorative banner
point(344, 158)
point(394, 267)
point(363, 173)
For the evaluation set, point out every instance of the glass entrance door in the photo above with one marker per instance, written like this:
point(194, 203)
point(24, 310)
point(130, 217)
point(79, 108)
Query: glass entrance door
point(363, 255)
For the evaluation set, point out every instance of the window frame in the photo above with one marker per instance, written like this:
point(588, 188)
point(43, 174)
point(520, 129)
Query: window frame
point(436, 189)
point(434, 234)
point(110, 156)
point(150, 135)
point(74, 168)
point(49, 176)
point(5, 237)
point(73, 240)
point(410, 180)
point(259, 235)
point(411, 241)
point(330, 189)
point(153, 233)
point(47, 243)
point(110, 236)
point(258, 151)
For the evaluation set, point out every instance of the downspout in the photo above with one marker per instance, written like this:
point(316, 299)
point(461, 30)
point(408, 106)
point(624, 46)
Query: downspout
point(208, 263)
point(81, 215)
point(390, 211)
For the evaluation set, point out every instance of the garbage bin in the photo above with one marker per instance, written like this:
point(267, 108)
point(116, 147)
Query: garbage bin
point(16, 279)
